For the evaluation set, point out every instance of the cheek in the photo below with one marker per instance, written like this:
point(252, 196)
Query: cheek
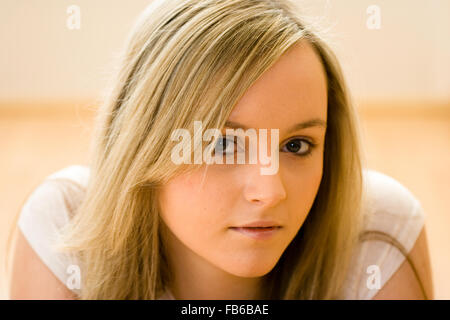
point(194, 211)
point(199, 209)
point(302, 181)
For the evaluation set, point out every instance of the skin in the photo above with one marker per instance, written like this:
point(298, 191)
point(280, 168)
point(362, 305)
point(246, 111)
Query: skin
point(208, 260)
point(31, 278)
point(403, 284)
point(199, 208)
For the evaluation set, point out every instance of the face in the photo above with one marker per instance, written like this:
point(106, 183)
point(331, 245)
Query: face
point(202, 209)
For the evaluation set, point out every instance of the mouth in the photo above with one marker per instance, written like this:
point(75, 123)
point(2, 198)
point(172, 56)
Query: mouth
point(257, 232)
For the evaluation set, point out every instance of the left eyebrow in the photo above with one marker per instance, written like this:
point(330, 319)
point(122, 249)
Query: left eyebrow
point(315, 122)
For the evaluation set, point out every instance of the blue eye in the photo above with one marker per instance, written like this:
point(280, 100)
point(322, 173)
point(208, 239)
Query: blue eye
point(225, 145)
point(297, 147)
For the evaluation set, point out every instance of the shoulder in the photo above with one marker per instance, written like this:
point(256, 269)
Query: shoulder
point(384, 194)
point(393, 218)
point(404, 283)
point(391, 207)
point(47, 210)
point(76, 173)
point(51, 203)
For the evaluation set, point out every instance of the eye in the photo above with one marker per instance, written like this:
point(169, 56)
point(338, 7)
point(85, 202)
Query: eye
point(299, 147)
point(225, 145)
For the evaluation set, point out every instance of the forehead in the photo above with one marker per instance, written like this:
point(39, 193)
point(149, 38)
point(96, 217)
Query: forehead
point(294, 89)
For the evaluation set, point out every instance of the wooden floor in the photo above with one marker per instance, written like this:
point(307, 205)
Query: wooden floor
point(411, 145)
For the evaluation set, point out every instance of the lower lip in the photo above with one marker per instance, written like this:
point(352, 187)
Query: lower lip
point(257, 233)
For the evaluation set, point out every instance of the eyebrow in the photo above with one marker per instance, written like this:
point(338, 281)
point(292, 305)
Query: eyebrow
point(315, 122)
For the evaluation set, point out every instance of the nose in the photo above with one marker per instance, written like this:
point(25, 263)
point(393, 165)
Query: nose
point(264, 190)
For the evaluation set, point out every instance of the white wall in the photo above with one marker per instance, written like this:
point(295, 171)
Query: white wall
point(40, 58)
point(408, 58)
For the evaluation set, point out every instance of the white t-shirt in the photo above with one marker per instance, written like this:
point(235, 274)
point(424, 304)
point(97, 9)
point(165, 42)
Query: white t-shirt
point(391, 208)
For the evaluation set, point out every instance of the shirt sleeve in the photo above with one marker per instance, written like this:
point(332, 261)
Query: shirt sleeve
point(41, 218)
point(391, 209)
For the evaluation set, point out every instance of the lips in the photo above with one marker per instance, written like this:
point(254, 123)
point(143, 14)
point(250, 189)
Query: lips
point(257, 232)
point(260, 224)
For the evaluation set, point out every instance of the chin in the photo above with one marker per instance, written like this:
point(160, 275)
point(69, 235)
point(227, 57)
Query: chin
point(251, 269)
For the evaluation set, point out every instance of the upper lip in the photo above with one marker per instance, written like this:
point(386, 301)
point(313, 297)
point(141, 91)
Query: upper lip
point(260, 224)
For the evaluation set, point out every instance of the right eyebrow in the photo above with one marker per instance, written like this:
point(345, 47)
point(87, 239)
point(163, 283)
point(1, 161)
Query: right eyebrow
point(315, 122)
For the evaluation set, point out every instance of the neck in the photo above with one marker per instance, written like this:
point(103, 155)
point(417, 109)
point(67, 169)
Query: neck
point(194, 278)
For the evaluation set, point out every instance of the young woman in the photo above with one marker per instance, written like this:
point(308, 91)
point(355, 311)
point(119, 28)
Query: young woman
point(136, 225)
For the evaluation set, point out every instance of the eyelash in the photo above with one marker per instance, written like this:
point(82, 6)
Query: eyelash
point(311, 145)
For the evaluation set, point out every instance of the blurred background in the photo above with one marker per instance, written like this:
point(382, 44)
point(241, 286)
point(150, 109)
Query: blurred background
point(56, 60)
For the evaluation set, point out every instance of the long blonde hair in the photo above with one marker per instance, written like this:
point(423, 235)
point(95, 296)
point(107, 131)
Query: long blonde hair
point(189, 60)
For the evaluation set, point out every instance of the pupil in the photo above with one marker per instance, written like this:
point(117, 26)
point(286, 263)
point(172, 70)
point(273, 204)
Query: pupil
point(293, 146)
point(222, 144)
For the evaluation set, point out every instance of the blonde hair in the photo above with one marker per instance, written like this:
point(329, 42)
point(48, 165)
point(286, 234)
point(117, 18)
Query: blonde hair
point(192, 60)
